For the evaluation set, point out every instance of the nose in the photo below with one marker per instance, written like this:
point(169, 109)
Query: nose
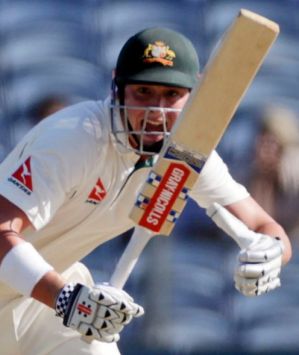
point(162, 101)
point(159, 100)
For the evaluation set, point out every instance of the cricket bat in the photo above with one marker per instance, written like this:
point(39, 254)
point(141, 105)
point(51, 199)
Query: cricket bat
point(197, 131)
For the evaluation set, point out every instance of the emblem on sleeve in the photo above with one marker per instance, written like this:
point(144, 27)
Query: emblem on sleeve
point(22, 177)
point(97, 194)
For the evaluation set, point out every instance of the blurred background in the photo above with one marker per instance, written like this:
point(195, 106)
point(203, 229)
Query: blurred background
point(58, 52)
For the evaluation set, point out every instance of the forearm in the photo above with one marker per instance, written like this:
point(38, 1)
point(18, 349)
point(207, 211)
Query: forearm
point(48, 288)
point(22, 265)
point(12, 222)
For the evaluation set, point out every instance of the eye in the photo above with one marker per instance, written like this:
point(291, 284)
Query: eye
point(143, 90)
point(173, 93)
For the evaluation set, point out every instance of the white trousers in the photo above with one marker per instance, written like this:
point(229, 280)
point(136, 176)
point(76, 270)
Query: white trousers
point(28, 327)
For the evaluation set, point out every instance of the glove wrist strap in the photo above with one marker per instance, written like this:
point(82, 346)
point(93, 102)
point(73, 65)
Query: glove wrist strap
point(71, 300)
point(63, 299)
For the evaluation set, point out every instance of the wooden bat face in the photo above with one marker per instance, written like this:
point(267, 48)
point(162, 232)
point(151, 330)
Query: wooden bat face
point(203, 121)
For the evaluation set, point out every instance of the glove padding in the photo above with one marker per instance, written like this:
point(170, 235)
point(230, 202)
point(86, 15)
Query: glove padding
point(260, 258)
point(100, 312)
point(259, 266)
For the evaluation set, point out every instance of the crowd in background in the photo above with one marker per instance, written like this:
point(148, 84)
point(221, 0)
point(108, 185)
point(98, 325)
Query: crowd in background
point(55, 53)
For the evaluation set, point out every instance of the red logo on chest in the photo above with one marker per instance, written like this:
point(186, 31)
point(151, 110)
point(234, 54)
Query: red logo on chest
point(98, 193)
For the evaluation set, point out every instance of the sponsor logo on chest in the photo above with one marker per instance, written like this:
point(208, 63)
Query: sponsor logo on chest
point(97, 194)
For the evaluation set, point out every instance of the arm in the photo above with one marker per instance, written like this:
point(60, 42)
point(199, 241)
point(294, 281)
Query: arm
point(261, 256)
point(21, 267)
point(258, 220)
point(12, 222)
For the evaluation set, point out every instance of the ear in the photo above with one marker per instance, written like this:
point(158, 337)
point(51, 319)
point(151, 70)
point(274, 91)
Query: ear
point(113, 73)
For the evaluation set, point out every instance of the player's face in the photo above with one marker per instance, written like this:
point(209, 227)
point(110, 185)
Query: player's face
point(158, 98)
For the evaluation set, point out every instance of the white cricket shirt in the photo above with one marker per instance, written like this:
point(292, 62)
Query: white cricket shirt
point(70, 177)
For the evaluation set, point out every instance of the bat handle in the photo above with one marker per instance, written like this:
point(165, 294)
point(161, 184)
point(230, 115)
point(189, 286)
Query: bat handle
point(130, 256)
point(231, 225)
point(127, 261)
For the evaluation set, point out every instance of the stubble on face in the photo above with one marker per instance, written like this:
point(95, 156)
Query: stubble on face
point(152, 117)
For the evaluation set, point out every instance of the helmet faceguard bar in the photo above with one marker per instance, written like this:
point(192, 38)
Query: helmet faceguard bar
point(124, 131)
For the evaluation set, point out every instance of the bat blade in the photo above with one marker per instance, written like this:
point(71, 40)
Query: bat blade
point(203, 121)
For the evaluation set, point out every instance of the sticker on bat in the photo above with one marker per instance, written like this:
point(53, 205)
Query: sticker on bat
point(196, 161)
point(165, 196)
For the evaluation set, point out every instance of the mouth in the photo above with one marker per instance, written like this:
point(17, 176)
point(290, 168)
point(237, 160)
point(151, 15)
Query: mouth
point(154, 126)
point(154, 131)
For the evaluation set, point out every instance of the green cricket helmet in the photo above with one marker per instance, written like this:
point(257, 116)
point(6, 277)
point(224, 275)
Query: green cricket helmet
point(157, 56)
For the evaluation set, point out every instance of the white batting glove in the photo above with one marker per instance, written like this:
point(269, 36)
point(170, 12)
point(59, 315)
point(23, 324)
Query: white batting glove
point(259, 266)
point(99, 312)
point(260, 258)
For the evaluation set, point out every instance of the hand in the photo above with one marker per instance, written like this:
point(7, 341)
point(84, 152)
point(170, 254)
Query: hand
point(260, 258)
point(100, 312)
point(259, 266)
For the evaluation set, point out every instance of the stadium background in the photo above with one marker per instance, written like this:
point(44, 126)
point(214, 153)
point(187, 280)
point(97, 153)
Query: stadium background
point(67, 49)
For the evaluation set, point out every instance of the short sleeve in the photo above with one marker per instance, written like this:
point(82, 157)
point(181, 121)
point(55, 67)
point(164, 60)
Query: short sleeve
point(215, 184)
point(46, 167)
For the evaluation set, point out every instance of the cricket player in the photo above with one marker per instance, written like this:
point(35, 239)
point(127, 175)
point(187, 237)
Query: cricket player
point(68, 186)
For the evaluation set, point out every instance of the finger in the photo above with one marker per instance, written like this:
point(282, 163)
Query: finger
point(107, 313)
point(124, 319)
point(256, 290)
point(139, 311)
point(116, 299)
point(109, 297)
point(117, 329)
point(108, 326)
point(268, 287)
point(273, 284)
point(93, 333)
point(261, 252)
point(115, 316)
point(251, 270)
point(252, 284)
point(107, 338)
point(259, 290)
point(118, 293)
point(129, 308)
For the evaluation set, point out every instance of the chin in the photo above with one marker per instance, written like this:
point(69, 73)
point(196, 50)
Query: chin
point(154, 147)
